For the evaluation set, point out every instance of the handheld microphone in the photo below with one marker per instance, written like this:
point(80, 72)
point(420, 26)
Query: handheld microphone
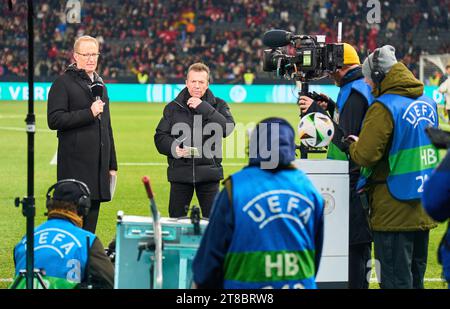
point(277, 38)
point(97, 92)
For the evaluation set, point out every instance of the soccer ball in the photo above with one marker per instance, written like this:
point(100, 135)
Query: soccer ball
point(315, 130)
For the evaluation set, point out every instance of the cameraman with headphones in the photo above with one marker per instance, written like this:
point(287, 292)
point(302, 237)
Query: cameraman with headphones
point(69, 256)
point(397, 158)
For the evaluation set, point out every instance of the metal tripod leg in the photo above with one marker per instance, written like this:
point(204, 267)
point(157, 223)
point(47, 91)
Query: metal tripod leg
point(37, 274)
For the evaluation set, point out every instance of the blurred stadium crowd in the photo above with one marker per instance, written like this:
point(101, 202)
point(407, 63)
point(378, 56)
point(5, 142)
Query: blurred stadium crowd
point(155, 41)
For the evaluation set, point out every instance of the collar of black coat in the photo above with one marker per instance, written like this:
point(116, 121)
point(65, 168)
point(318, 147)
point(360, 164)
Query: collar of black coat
point(352, 75)
point(184, 96)
point(72, 69)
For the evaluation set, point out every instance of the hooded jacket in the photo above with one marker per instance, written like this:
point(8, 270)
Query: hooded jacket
point(372, 150)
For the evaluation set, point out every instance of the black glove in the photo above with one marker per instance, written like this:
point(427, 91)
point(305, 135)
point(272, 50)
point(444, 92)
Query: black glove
point(439, 138)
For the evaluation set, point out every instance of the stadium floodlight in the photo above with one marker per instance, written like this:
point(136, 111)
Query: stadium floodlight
point(28, 202)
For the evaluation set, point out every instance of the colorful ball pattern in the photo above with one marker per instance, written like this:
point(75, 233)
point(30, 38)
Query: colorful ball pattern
point(316, 130)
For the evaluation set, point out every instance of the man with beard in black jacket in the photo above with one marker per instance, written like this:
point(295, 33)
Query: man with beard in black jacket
point(190, 135)
point(86, 149)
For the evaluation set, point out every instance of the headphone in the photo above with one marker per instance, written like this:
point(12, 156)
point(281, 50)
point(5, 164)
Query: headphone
point(84, 201)
point(377, 75)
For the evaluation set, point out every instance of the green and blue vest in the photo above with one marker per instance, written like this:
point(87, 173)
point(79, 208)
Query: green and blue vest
point(359, 85)
point(60, 249)
point(412, 156)
point(273, 244)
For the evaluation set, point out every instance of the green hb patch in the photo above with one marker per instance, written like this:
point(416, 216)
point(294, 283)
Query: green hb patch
point(413, 160)
point(269, 266)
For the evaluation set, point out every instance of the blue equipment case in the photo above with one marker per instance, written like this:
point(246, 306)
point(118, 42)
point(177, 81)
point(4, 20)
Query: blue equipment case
point(180, 244)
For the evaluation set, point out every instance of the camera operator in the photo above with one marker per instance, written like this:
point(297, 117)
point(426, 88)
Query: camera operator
point(353, 101)
point(61, 244)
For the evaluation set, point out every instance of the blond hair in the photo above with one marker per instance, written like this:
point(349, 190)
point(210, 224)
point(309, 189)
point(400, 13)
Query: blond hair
point(84, 38)
point(199, 67)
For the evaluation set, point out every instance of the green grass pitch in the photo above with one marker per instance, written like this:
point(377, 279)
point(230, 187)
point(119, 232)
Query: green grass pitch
point(134, 125)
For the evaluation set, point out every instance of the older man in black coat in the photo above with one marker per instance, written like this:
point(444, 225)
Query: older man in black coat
point(85, 139)
point(195, 118)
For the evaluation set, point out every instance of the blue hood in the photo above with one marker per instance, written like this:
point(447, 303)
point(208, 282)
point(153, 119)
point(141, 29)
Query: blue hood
point(282, 142)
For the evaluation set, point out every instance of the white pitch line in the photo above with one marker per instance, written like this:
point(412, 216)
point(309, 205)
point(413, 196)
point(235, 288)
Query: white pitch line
point(19, 116)
point(374, 280)
point(142, 163)
point(165, 164)
point(434, 280)
point(24, 129)
point(11, 116)
point(371, 280)
point(6, 279)
point(54, 160)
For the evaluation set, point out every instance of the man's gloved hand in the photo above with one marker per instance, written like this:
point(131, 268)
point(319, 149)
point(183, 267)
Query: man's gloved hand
point(318, 103)
point(327, 103)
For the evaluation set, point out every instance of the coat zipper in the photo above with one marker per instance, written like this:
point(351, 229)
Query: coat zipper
point(193, 156)
point(192, 138)
point(100, 160)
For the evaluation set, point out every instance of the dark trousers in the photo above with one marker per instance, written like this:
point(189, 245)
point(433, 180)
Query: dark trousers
point(90, 221)
point(181, 196)
point(359, 265)
point(402, 257)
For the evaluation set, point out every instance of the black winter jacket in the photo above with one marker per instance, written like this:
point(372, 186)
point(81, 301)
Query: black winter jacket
point(177, 126)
